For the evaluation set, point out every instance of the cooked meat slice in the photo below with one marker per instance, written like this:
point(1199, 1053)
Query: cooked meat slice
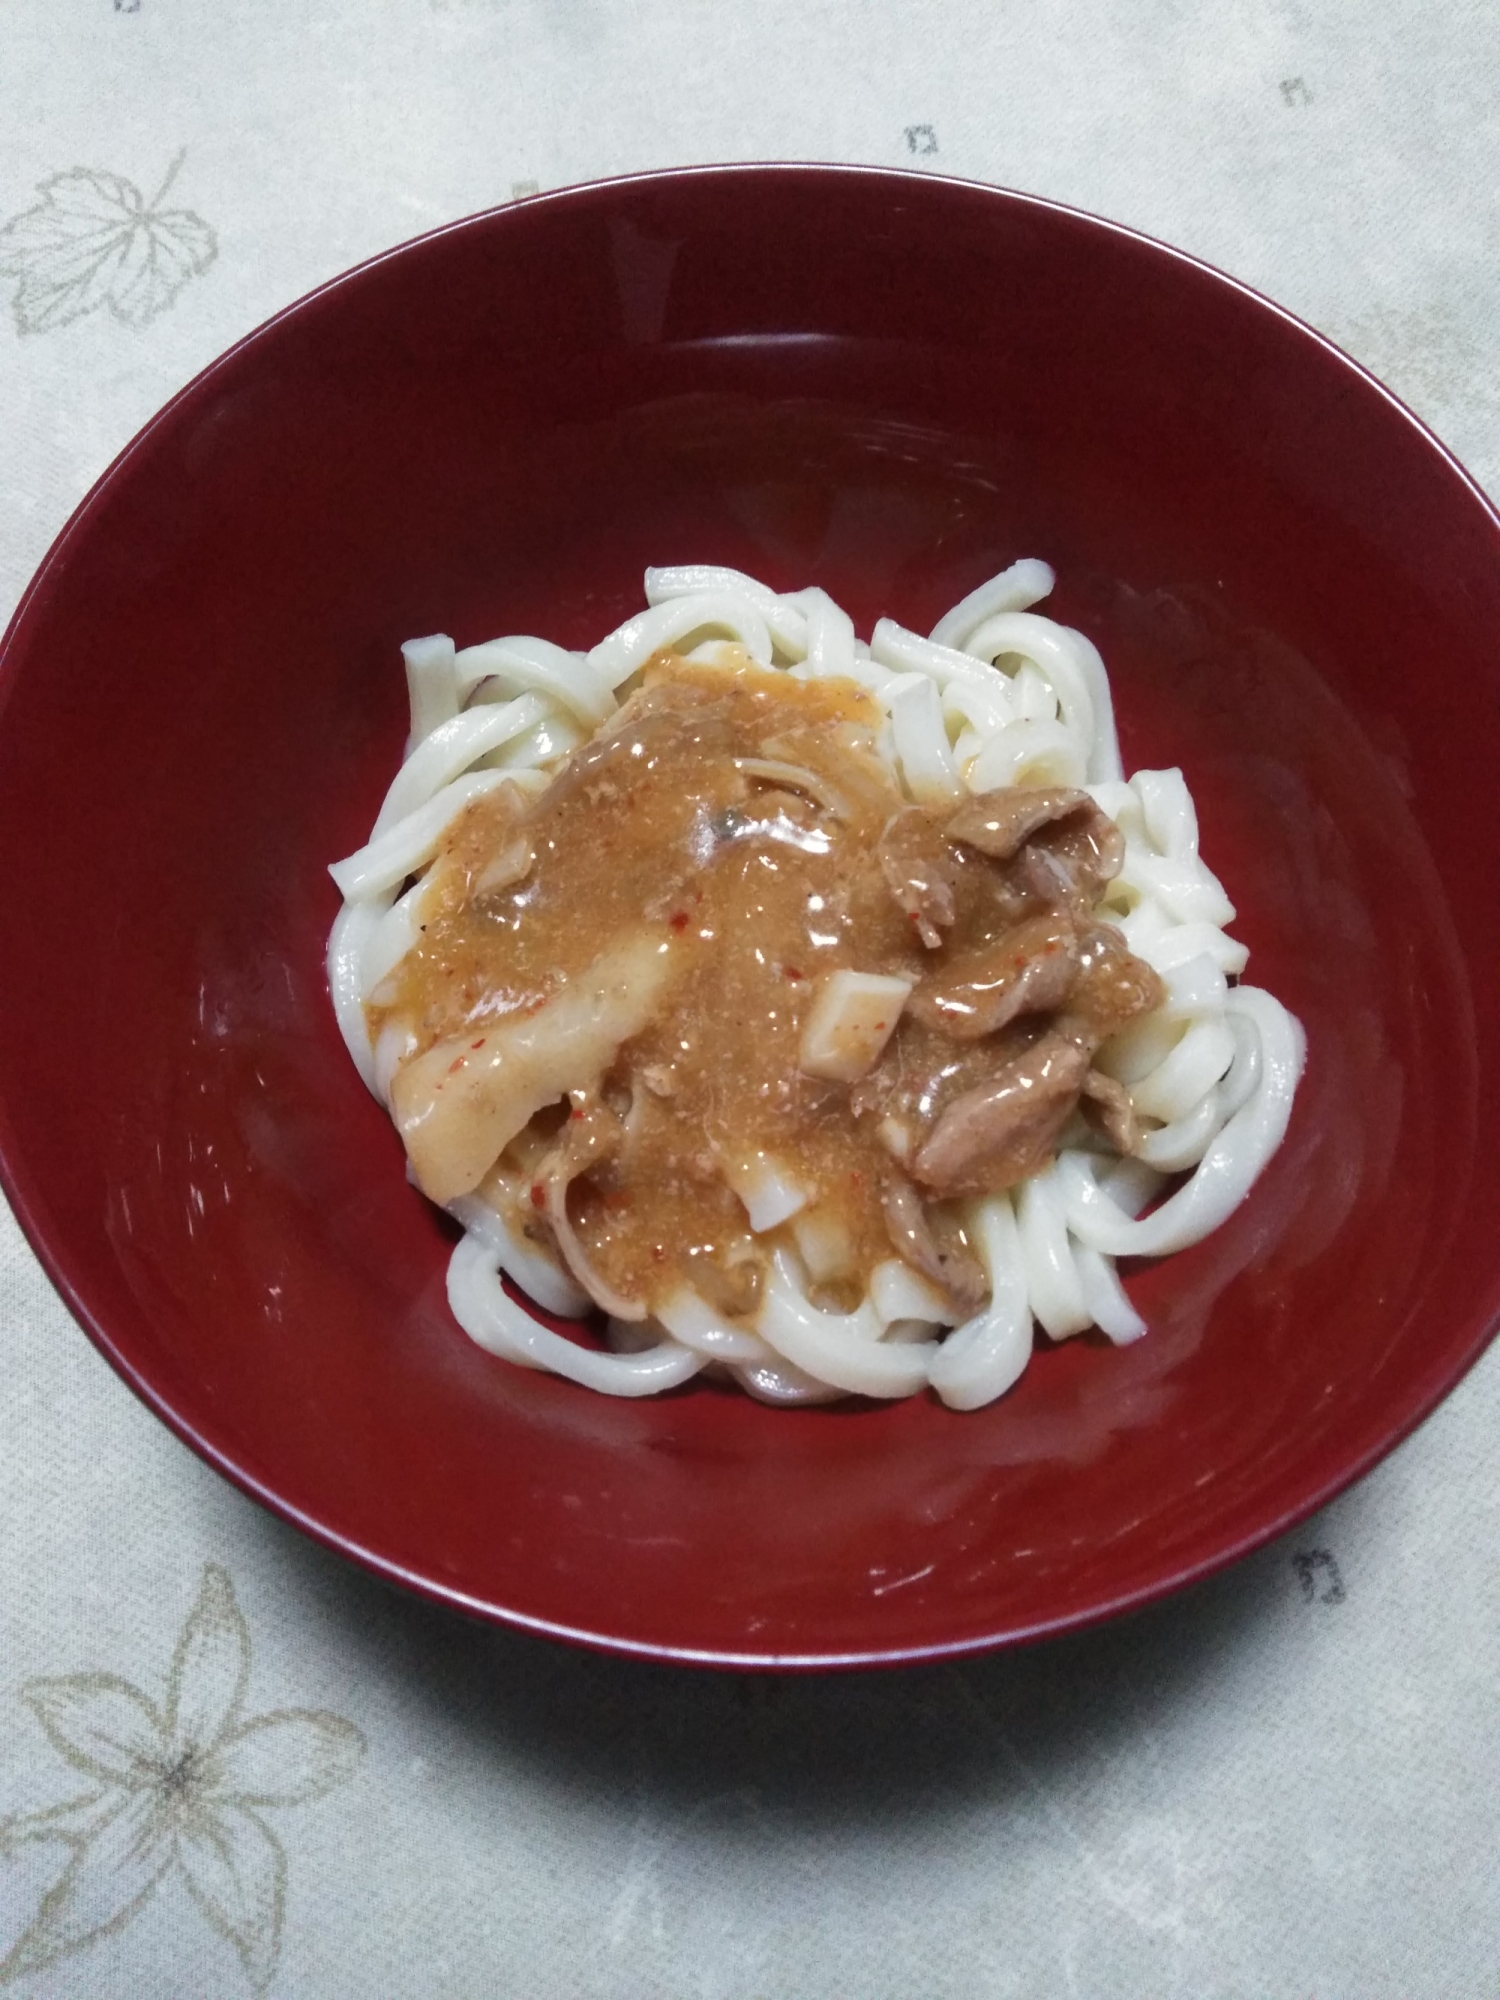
point(654, 717)
point(1064, 849)
point(1113, 986)
point(1030, 970)
point(924, 1070)
point(1106, 1104)
point(1000, 823)
point(1008, 1127)
point(912, 859)
point(952, 1267)
point(589, 1138)
point(1074, 860)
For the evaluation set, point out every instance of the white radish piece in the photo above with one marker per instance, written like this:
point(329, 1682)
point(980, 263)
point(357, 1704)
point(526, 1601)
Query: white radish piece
point(852, 1017)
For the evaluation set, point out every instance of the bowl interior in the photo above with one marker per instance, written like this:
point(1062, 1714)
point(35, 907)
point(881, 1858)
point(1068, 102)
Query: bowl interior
point(892, 387)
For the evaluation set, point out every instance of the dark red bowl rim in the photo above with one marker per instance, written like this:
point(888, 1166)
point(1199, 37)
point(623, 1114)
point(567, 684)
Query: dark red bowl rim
point(45, 1239)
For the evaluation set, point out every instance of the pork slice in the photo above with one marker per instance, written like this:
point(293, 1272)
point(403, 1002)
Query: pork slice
point(1113, 986)
point(912, 859)
point(652, 717)
point(1106, 1104)
point(1073, 860)
point(1062, 850)
point(592, 1135)
point(1028, 970)
point(1005, 1129)
point(952, 1268)
point(1000, 823)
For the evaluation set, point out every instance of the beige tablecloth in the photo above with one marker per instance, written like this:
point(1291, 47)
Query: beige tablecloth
point(1280, 1787)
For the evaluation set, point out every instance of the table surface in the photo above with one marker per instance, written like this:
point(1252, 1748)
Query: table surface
point(1279, 1786)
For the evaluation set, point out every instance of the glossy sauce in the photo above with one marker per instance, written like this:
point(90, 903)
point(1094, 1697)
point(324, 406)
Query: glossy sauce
point(738, 815)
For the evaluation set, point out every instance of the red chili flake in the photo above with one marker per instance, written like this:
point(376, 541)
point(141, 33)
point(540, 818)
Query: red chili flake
point(792, 972)
point(538, 1195)
point(680, 921)
point(456, 1064)
point(477, 1045)
point(575, 1112)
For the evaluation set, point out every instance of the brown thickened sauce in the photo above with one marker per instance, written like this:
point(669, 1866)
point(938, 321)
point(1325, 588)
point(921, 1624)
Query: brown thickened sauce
point(745, 820)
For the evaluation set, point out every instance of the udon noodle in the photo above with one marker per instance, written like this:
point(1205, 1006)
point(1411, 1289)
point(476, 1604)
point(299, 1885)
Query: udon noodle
point(827, 1014)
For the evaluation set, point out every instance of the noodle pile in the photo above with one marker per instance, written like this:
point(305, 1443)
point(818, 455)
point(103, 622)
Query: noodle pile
point(997, 697)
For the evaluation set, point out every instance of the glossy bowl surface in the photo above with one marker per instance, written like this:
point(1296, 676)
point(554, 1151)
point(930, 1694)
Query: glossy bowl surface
point(892, 386)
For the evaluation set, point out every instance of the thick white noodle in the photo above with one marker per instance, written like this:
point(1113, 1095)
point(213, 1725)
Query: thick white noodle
point(785, 622)
point(1229, 1166)
point(843, 1349)
point(997, 695)
point(1058, 661)
point(693, 1321)
point(533, 666)
point(829, 646)
point(353, 928)
point(1031, 751)
point(891, 645)
point(1104, 1297)
point(448, 752)
point(431, 684)
point(1173, 1148)
point(553, 1288)
point(1025, 583)
point(1052, 1280)
point(392, 938)
point(923, 751)
point(412, 842)
point(776, 1381)
point(721, 613)
point(985, 1356)
point(488, 1314)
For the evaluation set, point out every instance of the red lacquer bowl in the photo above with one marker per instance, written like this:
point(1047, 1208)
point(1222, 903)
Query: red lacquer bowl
point(892, 386)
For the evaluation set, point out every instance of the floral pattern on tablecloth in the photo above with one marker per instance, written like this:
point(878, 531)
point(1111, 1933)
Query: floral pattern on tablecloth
point(178, 1785)
point(94, 241)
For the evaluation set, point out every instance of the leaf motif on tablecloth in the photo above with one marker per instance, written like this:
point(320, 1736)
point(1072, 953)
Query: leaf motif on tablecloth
point(93, 240)
point(178, 1785)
